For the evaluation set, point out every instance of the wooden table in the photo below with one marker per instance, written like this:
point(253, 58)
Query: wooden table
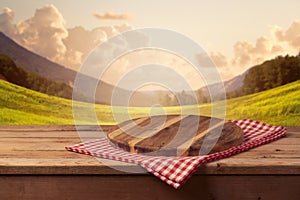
point(35, 165)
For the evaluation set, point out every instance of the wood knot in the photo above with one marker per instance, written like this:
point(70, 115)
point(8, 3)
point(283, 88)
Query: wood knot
point(277, 150)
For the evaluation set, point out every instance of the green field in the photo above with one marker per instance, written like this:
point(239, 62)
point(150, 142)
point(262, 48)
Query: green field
point(278, 106)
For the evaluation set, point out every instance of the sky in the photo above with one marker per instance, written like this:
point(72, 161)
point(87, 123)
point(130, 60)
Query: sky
point(235, 34)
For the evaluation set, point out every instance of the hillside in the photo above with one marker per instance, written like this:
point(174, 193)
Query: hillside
point(34, 63)
point(20, 105)
point(14, 74)
point(267, 75)
point(272, 73)
point(231, 85)
point(278, 106)
point(39, 65)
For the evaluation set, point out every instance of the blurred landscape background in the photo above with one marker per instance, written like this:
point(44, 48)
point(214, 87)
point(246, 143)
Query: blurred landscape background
point(40, 58)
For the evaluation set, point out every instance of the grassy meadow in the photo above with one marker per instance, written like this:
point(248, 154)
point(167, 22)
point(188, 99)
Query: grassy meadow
point(18, 105)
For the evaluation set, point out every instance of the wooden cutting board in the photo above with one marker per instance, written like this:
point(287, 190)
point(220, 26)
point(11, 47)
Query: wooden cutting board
point(176, 135)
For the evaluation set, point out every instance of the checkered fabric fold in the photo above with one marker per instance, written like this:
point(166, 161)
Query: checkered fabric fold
point(175, 171)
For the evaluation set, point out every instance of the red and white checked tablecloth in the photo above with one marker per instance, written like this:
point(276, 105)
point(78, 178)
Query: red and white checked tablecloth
point(175, 171)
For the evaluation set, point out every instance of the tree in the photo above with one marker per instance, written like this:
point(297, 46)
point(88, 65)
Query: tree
point(272, 73)
point(19, 76)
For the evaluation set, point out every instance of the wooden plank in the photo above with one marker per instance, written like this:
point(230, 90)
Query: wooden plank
point(224, 166)
point(39, 154)
point(31, 162)
point(57, 144)
point(38, 140)
point(269, 154)
point(245, 162)
point(90, 134)
point(253, 166)
point(44, 153)
point(13, 132)
point(293, 134)
point(145, 187)
point(293, 129)
point(86, 165)
point(274, 147)
point(51, 134)
point(49, 128)
point(29, 146)
point(64, 154)
point(265, 153)
point(287, 140)
point(280, 144)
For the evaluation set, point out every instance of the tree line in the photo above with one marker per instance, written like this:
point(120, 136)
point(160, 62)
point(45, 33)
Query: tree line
point(270, 74)
point(19, 76)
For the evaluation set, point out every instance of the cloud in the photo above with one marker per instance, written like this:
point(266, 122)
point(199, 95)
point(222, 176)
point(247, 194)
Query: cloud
point(291, 35)
point(6, 21)
point(219, 59)
point(173, 70)
point(279, 42)
point(204, 60)
point(45, 34)
point(108, 15)
point(81, 41)
point(246, 54)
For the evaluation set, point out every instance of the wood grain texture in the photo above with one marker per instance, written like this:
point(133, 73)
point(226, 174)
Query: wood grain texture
point(43, 152)
point(144, 187)
point(176, 135)
point(30, 169)
point(49, 128)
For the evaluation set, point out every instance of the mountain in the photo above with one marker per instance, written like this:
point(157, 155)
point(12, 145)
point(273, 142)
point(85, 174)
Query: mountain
point(235, 83)
point(10, 72)
point(34, 63)
point(231, 85)
point(270, 74)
